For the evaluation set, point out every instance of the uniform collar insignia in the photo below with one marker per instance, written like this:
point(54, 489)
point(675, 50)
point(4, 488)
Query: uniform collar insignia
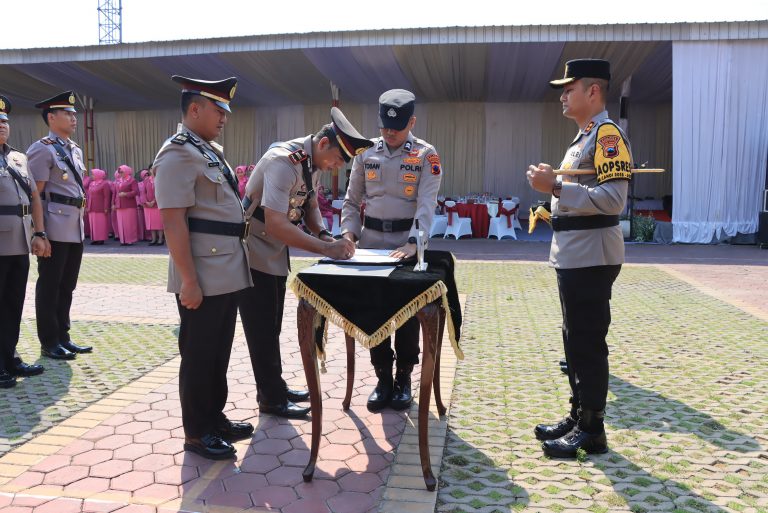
point(407, 146)
point(380, 145)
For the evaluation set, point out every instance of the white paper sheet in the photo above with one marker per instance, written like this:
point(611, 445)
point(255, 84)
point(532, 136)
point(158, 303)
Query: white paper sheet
point(350, 270)
point(367, 256)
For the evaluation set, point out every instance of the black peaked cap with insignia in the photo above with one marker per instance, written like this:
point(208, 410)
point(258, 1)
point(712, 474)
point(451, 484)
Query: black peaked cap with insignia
point(63, 101)
point(396, 107)
point(5, 107)
point(219, 92)
point(349, 139)
point(583, 68)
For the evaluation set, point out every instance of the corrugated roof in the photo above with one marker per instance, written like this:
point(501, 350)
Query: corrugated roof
point(647, 32)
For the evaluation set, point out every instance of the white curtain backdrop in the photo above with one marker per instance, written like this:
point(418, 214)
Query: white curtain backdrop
point(484, 147)
point(720, 108)
point(513, 141)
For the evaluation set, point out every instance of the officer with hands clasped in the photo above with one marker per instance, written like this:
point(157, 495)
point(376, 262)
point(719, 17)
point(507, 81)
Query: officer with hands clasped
point(587, 250)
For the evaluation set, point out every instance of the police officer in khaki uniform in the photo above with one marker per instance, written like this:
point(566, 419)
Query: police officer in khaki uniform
point(19, 206)
point(56, 165)
point(279, 195)
point(205, 229)
point(587, 250)
point(398, 180)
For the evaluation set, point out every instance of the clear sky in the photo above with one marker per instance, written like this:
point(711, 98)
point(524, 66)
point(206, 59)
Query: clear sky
point(48, 23)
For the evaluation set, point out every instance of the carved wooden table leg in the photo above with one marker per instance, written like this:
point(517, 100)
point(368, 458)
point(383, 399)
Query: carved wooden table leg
point(350, 371)
point(436, 382)
point(428, 317)
point(305, 319)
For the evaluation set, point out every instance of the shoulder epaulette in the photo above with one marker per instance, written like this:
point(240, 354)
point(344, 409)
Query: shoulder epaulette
point(46, 140)
point(180, 138)
point(298, 156)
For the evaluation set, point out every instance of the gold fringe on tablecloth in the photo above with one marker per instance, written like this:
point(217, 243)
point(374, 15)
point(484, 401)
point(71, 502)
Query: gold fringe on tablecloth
point(436, 291)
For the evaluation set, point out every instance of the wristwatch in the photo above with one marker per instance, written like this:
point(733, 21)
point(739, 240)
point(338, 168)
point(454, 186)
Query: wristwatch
point(42, 235)
point(324, 232)
point(411, 240)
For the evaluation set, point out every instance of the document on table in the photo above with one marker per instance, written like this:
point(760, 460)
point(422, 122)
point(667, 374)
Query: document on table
point(366, 257)
point(378, 271)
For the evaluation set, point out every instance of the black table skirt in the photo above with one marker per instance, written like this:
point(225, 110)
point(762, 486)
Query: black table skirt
point(370, 309)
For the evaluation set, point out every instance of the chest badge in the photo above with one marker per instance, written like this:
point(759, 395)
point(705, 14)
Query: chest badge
point(65, 176)
point(410, 178)
point(371, 175)
point(409, 190)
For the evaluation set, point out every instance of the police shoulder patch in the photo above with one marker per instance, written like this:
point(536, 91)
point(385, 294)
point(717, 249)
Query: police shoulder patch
point(612, 159)
point(180, 138)
point(298, 156)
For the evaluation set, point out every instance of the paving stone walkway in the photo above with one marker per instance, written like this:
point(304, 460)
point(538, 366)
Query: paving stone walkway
point(687, 415)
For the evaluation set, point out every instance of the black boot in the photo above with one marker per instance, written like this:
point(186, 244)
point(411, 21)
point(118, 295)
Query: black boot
point(401, 393)
point(589, 435)
point(381, 395)
point(554, 431)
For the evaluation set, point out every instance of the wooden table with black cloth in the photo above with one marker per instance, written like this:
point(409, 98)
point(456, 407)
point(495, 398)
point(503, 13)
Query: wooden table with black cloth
point(369, 309)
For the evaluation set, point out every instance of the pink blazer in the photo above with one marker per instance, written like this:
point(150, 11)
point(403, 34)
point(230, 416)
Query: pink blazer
point(131, 187)
point(99, 196)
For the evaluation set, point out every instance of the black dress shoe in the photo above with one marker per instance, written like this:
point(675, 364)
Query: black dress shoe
point(233, 431)
point(19, 368)
point(7, 380)
point(57, 352)
point(286, 410)
point(74, 348)
point(564, 366)
point(298, 396)
point(211, 447)
point(568, 445)
point(554, 431)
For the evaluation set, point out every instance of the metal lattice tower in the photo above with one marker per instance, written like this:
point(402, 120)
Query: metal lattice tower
point(110, 22)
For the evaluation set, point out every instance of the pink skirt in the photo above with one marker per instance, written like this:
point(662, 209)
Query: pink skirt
point(127, 225)
point(87, 225)
point(142, 232)
point(113, 222)
point(153, 219)
point(98, 222)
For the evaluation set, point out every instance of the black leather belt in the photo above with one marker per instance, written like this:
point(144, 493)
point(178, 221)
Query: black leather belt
point(218, 227)
point(388, 225)
point(258, 212)
point(562, 224)
point(64, 200)
point(14, 210)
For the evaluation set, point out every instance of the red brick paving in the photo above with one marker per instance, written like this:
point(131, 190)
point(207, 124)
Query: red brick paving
point(133, 461)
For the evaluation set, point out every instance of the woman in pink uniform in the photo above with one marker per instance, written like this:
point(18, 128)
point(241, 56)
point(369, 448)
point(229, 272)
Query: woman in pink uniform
point(113, 211)
point(86, 184)
point(98, 206)
point(152, 213)
point(140, 200)
point(242, 179)
point(125, 203)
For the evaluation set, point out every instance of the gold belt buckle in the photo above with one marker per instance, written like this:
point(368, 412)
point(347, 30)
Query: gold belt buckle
point(24, 210)
point(246, 230)
point(82, 202)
